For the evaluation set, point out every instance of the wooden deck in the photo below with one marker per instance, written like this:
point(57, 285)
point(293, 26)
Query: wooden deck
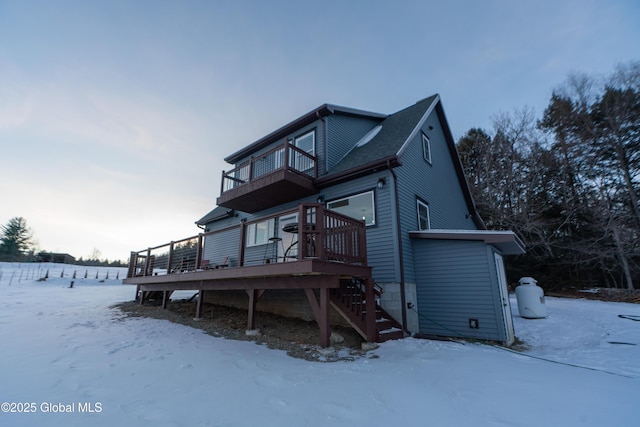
point(330, 266)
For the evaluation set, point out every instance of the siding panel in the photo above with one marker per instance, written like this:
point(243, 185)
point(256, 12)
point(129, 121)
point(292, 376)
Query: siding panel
point(456, 283)
point(436, 183)
point(343, 133)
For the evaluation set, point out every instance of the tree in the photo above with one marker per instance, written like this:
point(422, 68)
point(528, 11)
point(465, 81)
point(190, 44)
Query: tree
point(573, 192)
point(15, 240)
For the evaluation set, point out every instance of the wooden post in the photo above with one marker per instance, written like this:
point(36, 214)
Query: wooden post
point(170, 258)
point(320, 232)
point(199, 304)
point(199, 251)
point(286, 154)
point(321, 313)
point(165, 298)
point(131, 271)
point(243, 227)
point(254, 297)
point(147, 262)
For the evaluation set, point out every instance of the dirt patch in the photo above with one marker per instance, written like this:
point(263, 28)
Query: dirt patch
point(300, 339)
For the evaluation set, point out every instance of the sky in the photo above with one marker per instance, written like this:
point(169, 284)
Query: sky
point(115, 116)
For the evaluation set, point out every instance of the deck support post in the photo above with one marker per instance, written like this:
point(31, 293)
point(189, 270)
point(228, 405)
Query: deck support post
point(199, 304)
point(165, 298)
point(254, 297)
point(142, 296)
point(321, 313)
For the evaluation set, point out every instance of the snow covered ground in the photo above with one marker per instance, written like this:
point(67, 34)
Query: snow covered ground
point(70, 360)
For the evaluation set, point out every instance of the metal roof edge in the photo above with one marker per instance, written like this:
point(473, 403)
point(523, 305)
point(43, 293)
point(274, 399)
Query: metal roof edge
point(322, 111)
point(505, 240)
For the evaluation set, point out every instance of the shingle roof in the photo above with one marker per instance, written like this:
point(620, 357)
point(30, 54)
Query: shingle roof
point(218, 213)
point(396, 128)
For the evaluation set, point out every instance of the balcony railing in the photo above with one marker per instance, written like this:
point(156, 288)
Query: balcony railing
point(285, 157)
point(317, 233)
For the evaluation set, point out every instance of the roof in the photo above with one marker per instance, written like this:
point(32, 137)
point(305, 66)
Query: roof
point(382, 151)
point(322, 111)
point(396, 130)
point(506, 241)
point(218, 213)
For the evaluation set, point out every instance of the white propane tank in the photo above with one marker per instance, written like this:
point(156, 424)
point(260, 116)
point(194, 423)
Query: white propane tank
point(530, 299)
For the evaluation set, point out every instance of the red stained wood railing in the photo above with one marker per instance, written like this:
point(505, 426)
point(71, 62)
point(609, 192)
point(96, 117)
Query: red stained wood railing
point(322, 234)
point(285, 156)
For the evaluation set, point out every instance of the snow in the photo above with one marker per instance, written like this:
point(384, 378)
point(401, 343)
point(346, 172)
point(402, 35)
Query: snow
point(65, 348)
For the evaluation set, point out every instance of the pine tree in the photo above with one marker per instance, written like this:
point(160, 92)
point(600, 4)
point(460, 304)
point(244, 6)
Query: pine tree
point(15, 240)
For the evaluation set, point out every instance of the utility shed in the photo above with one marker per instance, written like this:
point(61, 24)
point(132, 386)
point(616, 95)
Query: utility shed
point(461, 285)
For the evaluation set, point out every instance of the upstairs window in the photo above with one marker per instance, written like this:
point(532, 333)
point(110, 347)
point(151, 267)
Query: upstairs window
point(306, 143)
point(426, 148)
point(424, 222)
point(360, 206)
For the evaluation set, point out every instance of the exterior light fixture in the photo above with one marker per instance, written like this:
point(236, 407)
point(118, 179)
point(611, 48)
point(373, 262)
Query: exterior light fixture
point(381, 183)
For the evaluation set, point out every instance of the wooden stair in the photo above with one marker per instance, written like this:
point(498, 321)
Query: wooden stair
point(350, 300)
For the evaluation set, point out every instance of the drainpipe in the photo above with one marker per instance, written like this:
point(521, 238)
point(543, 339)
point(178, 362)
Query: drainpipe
point(403, 298)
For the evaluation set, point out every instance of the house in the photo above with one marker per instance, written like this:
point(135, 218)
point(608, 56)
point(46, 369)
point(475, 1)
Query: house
point(366, 216)
point(55, 257)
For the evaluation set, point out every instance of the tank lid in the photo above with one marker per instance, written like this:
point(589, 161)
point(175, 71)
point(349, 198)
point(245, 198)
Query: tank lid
point(527, 281)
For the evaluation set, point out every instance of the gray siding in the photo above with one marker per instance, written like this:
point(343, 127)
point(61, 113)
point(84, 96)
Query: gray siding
point(457, 282)
point(382, 248)
point(436, 183)
point(318, 126)
point(343, 133)
point(221, 245)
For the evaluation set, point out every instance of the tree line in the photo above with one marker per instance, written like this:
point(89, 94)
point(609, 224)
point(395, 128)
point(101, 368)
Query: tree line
point(566, 182)
point(17, 245)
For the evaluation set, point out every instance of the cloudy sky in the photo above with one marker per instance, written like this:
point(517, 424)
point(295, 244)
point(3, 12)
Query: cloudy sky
point(115, 116)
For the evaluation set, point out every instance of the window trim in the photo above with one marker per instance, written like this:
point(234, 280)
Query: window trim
point(426, 148)
point(373, 204)
point(421, 203)
point(251, 239)
point(312, 132)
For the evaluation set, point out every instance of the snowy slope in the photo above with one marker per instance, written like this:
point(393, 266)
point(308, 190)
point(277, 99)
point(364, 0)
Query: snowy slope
point(65, 346)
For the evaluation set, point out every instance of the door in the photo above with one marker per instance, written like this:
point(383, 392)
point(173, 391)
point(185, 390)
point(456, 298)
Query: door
point(504, 297)
point(288, 251)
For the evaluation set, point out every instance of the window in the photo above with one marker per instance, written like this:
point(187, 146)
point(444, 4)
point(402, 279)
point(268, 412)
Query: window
point(259, 233)
point(360, 206)
point(306, 143)
point(426, 148)
point(424, 223)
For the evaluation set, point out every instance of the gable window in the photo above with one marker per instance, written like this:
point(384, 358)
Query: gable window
point(424, 222)
point(426, 148)
point(306, 143)
point(259, 233)
point(360, 206)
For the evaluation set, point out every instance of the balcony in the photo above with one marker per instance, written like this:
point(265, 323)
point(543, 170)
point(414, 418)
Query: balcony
point(281, 175)
point(325, 255)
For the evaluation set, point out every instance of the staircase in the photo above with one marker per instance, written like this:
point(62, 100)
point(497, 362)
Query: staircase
point(350, 300)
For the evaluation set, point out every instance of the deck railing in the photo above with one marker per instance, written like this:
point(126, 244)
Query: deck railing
point(286, 156)
point(318, 233)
